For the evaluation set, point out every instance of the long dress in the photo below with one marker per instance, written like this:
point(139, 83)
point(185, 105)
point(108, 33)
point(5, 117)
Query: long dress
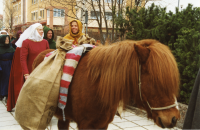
point(16, 80)
point(5, 63)
point(22, 64)
point(29, 52)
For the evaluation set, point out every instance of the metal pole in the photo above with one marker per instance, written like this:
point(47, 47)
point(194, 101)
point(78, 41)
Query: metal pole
point(178, 4)
point(83, 18)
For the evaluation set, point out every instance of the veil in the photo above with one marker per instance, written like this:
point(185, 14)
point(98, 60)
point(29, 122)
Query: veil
point(30, 33)
point(3, 31)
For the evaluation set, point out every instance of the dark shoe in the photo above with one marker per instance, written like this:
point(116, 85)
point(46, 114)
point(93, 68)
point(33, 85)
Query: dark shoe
point(6, 99)
point(1, 98)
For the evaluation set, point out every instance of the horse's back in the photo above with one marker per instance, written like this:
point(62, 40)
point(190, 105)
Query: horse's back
point(40, 58)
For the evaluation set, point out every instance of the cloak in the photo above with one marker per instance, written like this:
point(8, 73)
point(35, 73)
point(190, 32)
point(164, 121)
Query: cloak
point(52, 43)
point(74, 37)
point(17, 37)
point(16, 80)
point(192, 117)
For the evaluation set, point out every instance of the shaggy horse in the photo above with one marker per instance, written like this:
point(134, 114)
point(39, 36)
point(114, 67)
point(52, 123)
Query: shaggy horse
point(144, 71)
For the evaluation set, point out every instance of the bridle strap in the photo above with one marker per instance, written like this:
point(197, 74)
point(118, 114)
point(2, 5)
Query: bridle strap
point(140, 82)
point(162, 108)
point(159, 108)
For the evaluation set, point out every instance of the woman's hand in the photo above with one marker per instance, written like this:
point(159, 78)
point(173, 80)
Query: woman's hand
point(26, 76)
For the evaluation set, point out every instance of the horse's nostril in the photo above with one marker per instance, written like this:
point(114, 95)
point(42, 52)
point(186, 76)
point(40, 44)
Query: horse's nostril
point(174, 120)
point(159, 119)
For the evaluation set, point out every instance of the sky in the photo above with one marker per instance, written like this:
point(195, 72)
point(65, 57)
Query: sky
point(1, 6)
point(170, 4)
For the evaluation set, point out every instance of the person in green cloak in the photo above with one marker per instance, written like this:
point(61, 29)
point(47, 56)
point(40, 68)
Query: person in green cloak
point(6, 56)
point(49, 36)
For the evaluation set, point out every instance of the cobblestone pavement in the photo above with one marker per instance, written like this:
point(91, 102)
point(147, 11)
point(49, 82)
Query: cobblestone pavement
point(129, 121)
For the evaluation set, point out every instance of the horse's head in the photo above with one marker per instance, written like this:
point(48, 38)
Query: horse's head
point(158, 82)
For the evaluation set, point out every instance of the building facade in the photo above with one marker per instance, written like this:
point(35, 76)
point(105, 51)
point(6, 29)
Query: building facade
point(22, 13)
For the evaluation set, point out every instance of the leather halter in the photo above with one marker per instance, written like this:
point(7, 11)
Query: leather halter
point(159, 108)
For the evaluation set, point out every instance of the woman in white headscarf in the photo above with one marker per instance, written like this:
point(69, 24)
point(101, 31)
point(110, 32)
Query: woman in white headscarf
point(29, 45)
point(33, 43)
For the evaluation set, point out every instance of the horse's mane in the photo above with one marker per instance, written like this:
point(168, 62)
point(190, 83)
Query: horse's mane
point(114, 69)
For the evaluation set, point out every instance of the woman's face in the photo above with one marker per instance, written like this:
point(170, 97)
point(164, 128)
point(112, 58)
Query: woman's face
point(40, 31)
point(74, 27)
point(7, 40)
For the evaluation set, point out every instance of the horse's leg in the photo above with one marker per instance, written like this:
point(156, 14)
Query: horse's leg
point(100, 122)
point(93, 125)
point(63, 124)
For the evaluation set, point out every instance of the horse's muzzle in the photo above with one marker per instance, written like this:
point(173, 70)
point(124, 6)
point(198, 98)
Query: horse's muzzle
point(173, 123)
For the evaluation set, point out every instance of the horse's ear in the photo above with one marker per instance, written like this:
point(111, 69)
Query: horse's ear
point(143, 52)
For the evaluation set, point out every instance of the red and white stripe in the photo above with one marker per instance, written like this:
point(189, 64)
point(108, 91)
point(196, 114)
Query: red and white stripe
point(72, 58)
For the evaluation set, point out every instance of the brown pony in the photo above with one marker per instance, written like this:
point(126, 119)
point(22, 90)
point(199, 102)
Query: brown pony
point(109, 74)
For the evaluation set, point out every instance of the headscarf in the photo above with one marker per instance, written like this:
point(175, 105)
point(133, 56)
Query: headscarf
point(30, 33)
point(17, 37)
point(52, 43)
point(72, 36)
point(3, 31)
point(5, 48)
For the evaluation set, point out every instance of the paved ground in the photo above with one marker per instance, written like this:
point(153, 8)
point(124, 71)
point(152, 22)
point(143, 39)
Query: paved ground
point(129, 121)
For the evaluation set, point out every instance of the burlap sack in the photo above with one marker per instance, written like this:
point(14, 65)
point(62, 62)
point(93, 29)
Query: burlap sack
point(38, 98)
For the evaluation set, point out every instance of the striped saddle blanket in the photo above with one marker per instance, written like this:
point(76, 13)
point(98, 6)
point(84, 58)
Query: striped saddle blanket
point(72, 58)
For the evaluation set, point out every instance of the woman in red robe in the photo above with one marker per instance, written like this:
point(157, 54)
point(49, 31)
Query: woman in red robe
point(31, 43)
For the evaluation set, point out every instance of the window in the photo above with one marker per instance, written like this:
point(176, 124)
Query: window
point(62, 13)
point(16, 20)
point(58, 12)
point(33, 17)
point(19, 19)
point(42, 13)
point(120, 1)
point(19, 6)
point(33, 1)
point(108, 1)
point(108, 15)
point(93, 16)
point(36, 15)
point(138, 2)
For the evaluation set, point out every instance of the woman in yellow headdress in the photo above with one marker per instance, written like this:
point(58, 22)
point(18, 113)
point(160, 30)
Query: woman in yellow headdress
point(75, 31)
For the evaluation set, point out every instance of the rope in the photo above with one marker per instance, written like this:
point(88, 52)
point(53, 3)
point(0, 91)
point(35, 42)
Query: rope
point(140, 81)
point(162, 108)
point(63, 114)
point(159, 108)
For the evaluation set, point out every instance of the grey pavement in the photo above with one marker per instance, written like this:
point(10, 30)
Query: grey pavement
point(129, 121)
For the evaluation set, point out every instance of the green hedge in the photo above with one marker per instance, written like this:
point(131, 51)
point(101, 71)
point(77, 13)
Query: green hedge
point(180, 31)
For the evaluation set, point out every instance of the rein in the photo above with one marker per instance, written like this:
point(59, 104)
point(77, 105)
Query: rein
point(159, 108)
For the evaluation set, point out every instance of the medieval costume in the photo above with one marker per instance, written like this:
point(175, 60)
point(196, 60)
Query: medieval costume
point(12, 38)
point(17, 78)
point(6, 56)
point(72, 36)
point(32, 45)
point(193, 112)
point(52, 43)
point(17, 37)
